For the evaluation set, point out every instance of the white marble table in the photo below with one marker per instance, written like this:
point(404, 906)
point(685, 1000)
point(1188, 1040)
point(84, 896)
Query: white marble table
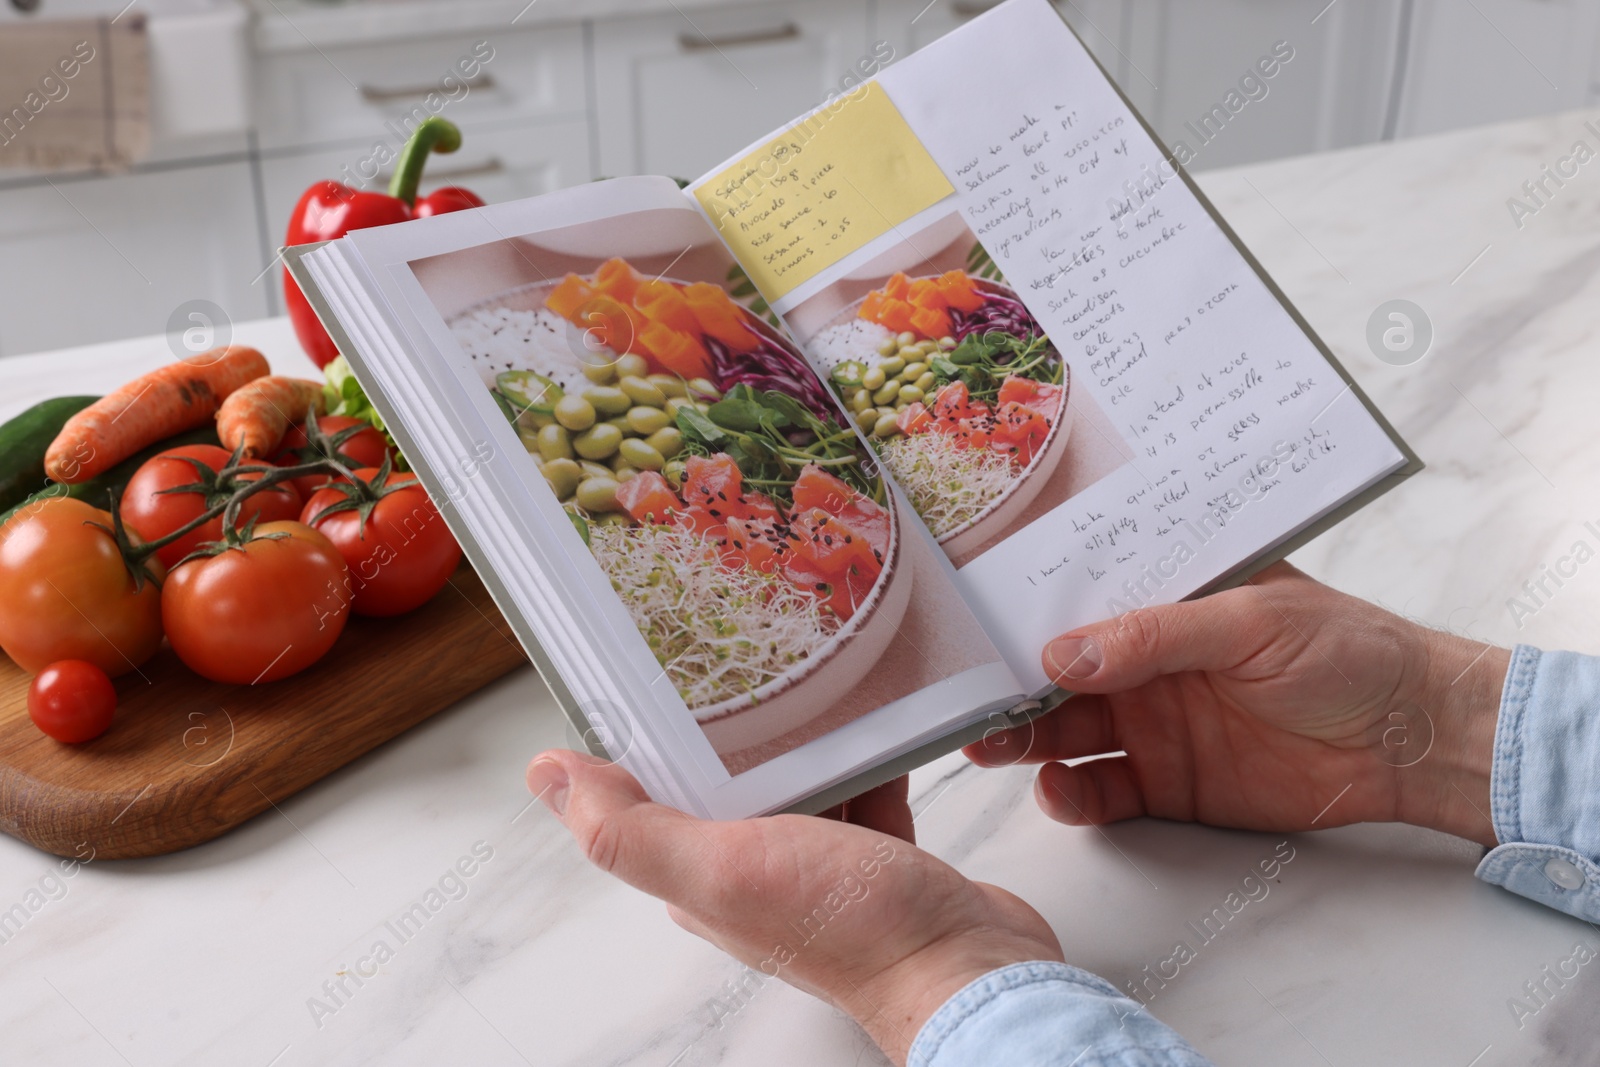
point(1375, 945)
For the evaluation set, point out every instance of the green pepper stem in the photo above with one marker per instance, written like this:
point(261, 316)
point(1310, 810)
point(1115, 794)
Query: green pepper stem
point(433, 134)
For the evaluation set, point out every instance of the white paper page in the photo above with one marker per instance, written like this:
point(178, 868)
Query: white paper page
point(428, 276)
point(1240, 431)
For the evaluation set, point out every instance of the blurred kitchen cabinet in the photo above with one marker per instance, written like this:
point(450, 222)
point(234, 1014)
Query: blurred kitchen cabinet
point(677, 94)
point(307, 97)
point(105, 258)
point(1543, 59)
point(910, 24)
point(1329, 86)
point(499, 163)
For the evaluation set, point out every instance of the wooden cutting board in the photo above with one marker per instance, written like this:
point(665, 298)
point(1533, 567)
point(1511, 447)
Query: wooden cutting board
point(186, 760)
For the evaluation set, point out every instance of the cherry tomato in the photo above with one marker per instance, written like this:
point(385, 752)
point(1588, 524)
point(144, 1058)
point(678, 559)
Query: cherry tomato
point(66, 592)
point(72, 701)
point(260, 611)
point(402, 556)
point(150, 511)
point(367, 447)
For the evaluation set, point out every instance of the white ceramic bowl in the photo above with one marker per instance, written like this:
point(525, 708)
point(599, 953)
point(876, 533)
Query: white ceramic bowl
point(823, 678)
point(1028, 483)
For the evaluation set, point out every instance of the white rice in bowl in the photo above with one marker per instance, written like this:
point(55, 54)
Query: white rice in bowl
point(502, 339)
point(857, 339)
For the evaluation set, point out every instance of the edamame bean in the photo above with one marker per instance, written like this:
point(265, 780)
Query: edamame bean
point(563, 476)
point(947, 343)
point(607, 400)
point(675, 471)
point(641, 454)
point(632, 365)
point(626, 473)
point(642, 392)
point(667, 440)
point(867, 419)
point(907, 338)
point(910, 394)
point(599, 373)
point(575, 413)
point(700, 387)
point(889, 347)
point(860, 400)
point(887, 426)
point(669, 384)
point(591, 469)
point(913, 371)
point(555, 442)
point(597, 442)
point(647, 420)
point(677, 404)
point(892, 366)
point(598, 494)
point(873, 380)
point(887, 394)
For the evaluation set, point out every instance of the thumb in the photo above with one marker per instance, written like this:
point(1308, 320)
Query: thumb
point(1209, 634)
point(650, 846)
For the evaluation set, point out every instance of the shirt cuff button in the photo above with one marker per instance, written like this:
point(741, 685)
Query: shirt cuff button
point(1564, 874)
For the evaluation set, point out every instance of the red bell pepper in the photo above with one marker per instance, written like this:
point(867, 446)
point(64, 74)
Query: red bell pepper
point(329, 209)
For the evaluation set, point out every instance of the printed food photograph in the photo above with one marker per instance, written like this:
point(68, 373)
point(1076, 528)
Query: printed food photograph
point(967, 401)
point(715, 478)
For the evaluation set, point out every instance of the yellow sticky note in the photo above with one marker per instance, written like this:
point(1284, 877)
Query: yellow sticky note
point(822, 189)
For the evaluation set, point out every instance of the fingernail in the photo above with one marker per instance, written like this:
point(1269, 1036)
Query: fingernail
point(547, 781)
point(1074, 657)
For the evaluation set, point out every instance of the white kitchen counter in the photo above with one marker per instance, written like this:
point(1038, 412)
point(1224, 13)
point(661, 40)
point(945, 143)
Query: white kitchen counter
point(1375, 945)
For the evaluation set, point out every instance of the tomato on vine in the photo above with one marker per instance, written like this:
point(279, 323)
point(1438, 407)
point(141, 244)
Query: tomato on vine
point(350, 441)
point(397, 546)
point(266, 602)
point(68, 593)
point(177, 486)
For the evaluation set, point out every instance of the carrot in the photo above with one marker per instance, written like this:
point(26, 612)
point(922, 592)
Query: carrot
point(258, 413)
point(178, 397)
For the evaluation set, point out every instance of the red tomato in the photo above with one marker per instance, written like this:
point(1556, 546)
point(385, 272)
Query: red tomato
point(402, 556)
point(65, 591)
point(72, 701)
point(365, 447)
point(152, 512)
point(259, 612)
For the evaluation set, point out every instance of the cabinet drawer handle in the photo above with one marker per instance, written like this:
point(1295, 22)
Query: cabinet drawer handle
point(971, 9)
point(435, 176)
point(374, 95)
point(693, 42)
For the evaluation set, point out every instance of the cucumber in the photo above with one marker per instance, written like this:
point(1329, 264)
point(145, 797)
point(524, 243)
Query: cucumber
point(24, 441)
point(99, 490)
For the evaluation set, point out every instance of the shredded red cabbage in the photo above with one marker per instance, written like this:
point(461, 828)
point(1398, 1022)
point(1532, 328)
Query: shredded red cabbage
point(771, 366)
point(999, 312)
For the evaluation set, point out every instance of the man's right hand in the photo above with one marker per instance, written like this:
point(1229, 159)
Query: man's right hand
point(1278, 705)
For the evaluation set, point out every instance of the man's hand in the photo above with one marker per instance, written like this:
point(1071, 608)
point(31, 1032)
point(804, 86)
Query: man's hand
point(845, 911)
point(1279, 705)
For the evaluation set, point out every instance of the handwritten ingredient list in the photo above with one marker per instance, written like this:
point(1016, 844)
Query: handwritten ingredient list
point(843, 176)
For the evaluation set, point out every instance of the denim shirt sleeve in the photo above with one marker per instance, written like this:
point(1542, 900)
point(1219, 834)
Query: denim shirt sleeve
point(1047, 1015)
point(1545, 782)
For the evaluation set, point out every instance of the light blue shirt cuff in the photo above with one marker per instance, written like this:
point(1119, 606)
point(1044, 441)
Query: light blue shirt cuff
point(1545, 782)
point(1047, 1015)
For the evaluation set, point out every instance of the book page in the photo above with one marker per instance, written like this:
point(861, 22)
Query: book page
point(1086, 391)
point(779, 619)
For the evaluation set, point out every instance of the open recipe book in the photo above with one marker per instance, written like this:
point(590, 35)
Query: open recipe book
point(784, 480)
